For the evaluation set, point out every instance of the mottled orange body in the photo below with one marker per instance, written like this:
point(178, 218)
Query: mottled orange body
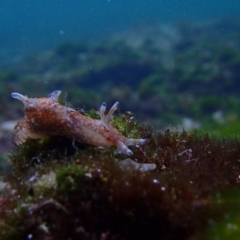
point(46, 117)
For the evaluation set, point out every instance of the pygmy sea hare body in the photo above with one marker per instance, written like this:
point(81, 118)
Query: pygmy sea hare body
point(46, 117)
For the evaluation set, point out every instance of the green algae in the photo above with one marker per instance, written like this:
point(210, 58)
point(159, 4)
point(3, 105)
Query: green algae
point(199, 64)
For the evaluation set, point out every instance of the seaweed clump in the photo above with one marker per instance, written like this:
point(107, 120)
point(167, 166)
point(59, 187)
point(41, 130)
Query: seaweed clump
point(60, 189)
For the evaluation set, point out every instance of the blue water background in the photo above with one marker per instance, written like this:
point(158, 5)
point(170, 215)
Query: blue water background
point(31, 25)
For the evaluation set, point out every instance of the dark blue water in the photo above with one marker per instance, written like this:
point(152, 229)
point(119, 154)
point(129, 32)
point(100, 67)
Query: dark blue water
point(28, 25)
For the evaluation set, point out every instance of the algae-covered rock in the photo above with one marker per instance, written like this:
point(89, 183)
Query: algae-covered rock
point(61, 189)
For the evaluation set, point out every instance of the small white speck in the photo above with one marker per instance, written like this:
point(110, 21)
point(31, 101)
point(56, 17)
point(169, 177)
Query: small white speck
point(155, 181)
point(29, 236)
point(31, 179)
point(163, 188)
point(88, 175)
point(31, 103)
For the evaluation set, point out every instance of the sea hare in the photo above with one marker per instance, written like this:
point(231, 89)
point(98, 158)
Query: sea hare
point(47, 117)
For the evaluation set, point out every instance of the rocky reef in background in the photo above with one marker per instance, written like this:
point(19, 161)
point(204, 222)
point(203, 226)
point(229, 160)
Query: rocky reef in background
point(165, 74)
